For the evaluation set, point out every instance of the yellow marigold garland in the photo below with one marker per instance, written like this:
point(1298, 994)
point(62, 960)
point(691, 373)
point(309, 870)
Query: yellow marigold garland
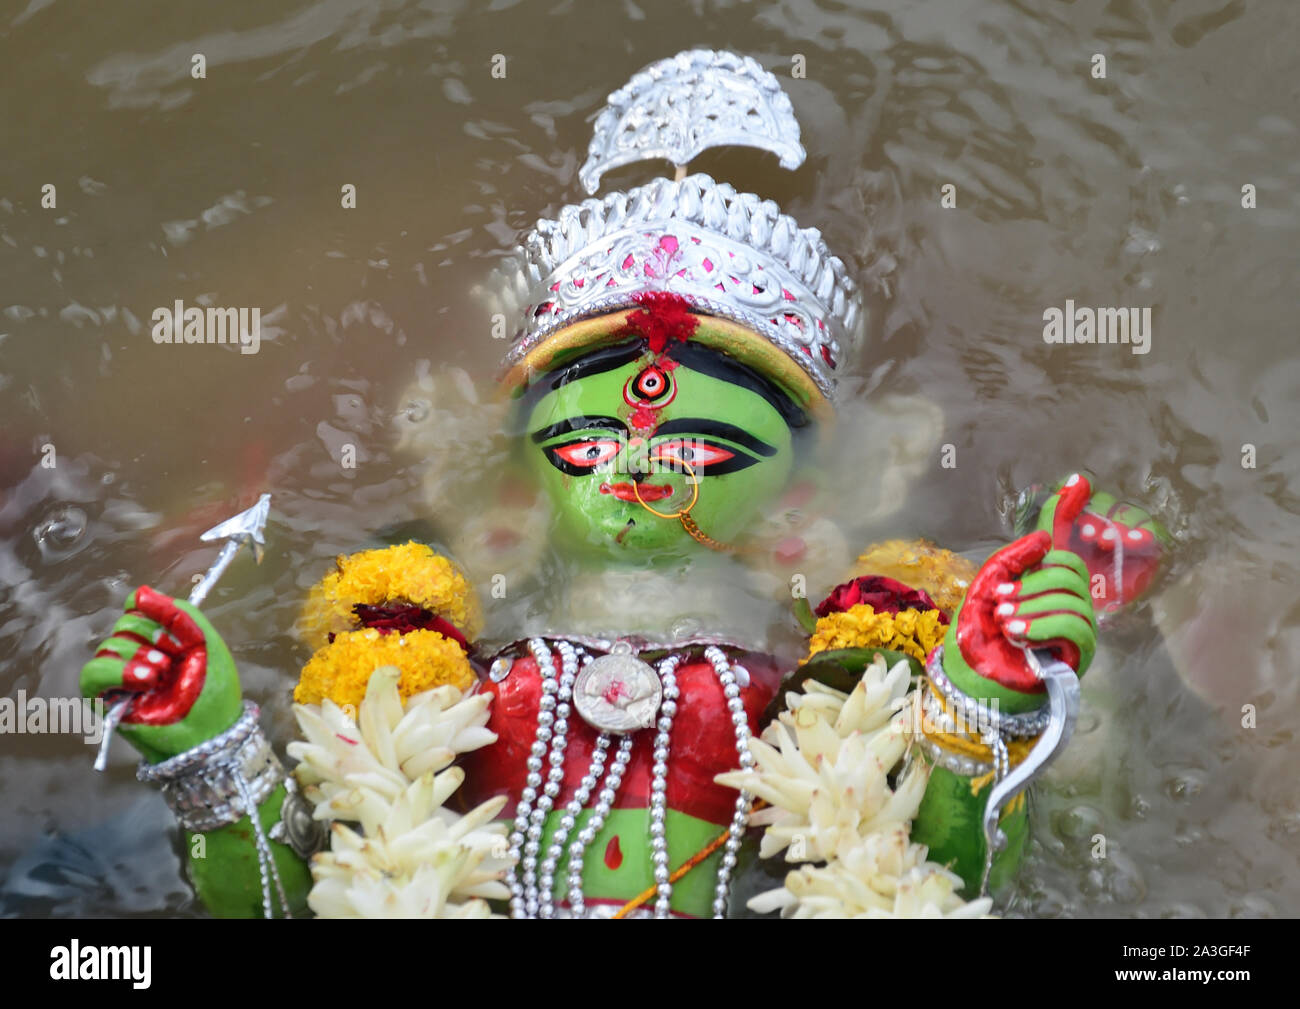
point(942, 574)
point(911, 632)
point(410, 573)
point(341, 670)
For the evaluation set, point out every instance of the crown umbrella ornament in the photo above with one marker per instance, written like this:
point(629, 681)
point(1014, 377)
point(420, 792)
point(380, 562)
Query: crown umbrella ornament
point(729, 255)
point(244, 528)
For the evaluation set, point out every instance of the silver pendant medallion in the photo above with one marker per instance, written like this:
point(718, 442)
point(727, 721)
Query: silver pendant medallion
point(618, 692)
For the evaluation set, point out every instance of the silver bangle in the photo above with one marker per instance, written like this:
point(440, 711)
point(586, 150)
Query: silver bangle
point(966, 767)
point(210, 785)
point(976, 712)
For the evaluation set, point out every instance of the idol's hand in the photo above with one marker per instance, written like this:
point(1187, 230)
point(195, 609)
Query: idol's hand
point(1026, 596)
point(1121, 544)
point(165, 655)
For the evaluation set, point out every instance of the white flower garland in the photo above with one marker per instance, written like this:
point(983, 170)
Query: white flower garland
point(823, 764)
point(390, 772)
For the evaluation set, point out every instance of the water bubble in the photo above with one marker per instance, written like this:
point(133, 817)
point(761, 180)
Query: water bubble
point(1093, 883)
point(686, 627)
point(1124, 879)
point(1189, 837)
point(1185, 784)
point(350, 407)
point(1079, 823)
point(1140, 807)
point(60, 530)
point(1048, 902)
point(1052, 845)
point(1141, 242)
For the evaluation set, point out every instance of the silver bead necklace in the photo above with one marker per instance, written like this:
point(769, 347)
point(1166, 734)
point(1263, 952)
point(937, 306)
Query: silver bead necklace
point(728, 676)
point(532, 886)
point(659, 787)
point(550, 741)
point(604, 803)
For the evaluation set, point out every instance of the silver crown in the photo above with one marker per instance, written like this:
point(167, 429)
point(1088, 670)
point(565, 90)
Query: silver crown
point(680, 107)
point(729, 254)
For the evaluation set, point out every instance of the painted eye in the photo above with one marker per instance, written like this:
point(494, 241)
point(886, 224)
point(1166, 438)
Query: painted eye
point(586, 454)
point(694, 453)
point(649, 385)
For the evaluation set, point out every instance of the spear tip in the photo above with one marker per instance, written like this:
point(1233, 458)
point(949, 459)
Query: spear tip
point(248, 524)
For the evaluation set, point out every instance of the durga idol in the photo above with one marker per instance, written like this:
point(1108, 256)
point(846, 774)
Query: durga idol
point(638, 741)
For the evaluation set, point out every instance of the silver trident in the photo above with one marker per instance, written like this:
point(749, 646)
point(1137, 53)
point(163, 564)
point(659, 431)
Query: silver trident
point(1063, 709)
point(246, 527)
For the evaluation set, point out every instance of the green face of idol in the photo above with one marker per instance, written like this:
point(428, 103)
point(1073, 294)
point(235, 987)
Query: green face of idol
point(690, 429)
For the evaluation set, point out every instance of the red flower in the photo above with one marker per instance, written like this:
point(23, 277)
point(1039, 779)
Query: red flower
point(662, 317)
point(403, 617)
point(884, 595)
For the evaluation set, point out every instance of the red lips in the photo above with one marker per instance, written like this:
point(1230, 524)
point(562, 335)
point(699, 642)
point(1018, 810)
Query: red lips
point(625, 491)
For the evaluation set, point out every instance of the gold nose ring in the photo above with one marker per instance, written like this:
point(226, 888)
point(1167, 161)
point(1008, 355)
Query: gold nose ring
point(636, 489)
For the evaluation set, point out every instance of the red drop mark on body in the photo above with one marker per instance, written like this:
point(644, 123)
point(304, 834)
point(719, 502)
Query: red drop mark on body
point(613, 853)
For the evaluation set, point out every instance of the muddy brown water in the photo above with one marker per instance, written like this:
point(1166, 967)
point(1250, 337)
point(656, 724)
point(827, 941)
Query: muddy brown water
point(1122, 191)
